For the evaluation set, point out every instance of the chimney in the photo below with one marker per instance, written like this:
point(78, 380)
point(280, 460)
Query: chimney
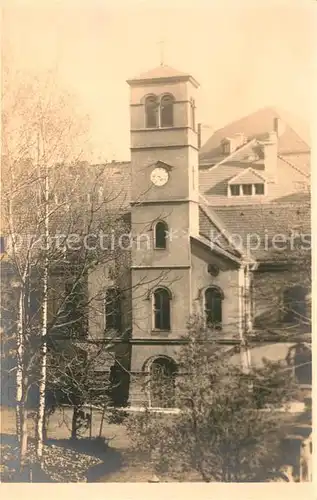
point(204, 132)
point(278, 126)
point(239, 140)
point(270, 156)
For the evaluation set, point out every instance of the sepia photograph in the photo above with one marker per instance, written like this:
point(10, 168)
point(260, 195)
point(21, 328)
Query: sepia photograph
point(156, 277)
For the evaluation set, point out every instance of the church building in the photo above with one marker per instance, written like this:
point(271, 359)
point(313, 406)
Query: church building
point(220, 230)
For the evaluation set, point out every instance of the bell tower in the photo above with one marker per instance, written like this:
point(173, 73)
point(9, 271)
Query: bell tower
point(164, 210)
point(164, 141)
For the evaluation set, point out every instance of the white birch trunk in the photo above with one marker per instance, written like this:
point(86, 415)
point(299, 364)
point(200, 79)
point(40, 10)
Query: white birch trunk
point(42, 381)
point(19, 372)
point(43, 357)
point(19, 340)
point(21, 379)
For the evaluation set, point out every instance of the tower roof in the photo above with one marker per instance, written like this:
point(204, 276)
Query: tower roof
point(162, 72)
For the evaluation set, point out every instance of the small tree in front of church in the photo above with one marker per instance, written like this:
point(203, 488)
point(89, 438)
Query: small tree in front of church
point(227, 428)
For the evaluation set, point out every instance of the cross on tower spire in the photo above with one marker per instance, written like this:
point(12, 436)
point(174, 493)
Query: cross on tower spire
point(162, 51)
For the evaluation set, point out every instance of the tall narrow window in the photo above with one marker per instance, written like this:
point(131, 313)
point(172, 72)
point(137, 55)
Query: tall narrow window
point(259, 188)
point(295, 305)
point(213, 307)
point(162, 309)
point(151, 112)
point(235, 189)
point(247, 189)
point(166, 111)
point(161, 229)
point(113, 309)
point(74, 315)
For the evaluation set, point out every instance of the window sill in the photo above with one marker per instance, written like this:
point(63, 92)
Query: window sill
point(157, 330)
point(144, 129)
point(246, 195)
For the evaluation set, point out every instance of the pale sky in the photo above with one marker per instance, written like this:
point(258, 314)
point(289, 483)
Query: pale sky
point(245, 55)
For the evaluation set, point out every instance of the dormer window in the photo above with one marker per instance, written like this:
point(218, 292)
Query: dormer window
point(259, 188)
point(226, 147)
point(235, 189)
point(246, 189)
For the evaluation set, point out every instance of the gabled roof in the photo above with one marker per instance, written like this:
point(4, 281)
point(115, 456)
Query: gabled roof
point(238, 155)
point(248, 176)
point(215, 248)
point(256, 125)
point(213, 181)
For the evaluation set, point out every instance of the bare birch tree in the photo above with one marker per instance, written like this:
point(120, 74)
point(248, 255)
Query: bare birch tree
point(54, 209)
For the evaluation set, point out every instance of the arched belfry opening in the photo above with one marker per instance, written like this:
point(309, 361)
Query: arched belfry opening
point(167, 111)
point(151, 112)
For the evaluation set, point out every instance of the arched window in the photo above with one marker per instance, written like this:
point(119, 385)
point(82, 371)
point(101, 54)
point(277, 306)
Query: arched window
point(162, 309)
point(74, 308)
point(160, 234)
point(162, 382)
point(166, 111)
point(113, 309)
point(295, 305)
point(151, 120)
point(213, 307)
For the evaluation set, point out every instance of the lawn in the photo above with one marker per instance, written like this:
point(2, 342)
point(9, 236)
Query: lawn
point(88, 459)
point(92, 458)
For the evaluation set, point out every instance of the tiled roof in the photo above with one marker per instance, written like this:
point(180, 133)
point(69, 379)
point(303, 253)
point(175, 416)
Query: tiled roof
point(214, 181)
point(118, 183)
point(294, 197)
point(209, 230)
point(255, 125)
point(255, 226)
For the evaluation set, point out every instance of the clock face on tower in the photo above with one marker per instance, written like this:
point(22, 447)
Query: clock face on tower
point(159, 176)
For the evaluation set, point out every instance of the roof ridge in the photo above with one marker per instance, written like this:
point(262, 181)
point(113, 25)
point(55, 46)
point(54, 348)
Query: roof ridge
point(232, 122)
point(293, 166)
point(235, 177)
point(283, 118)
point(232, 155)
